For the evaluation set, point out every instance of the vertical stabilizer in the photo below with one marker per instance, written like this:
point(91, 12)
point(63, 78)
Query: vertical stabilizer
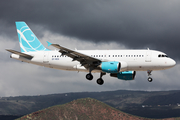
point(27, 39)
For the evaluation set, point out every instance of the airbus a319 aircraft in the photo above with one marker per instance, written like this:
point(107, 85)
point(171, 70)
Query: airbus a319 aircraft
point(121, 64)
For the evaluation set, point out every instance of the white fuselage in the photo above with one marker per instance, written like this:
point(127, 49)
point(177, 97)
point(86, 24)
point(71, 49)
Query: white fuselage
point(133, 60)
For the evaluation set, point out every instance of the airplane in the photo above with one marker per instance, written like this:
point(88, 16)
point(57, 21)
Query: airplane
point(121, 64)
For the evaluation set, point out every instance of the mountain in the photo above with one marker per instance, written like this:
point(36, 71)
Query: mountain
point(157, 104)
point(81, 109)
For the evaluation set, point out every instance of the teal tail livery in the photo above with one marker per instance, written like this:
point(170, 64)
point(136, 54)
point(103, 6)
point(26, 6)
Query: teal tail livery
point(27, 39)
point(121, 64)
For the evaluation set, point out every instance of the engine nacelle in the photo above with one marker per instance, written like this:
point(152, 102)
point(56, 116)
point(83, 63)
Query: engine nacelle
point(110, 67)
point(126, 75)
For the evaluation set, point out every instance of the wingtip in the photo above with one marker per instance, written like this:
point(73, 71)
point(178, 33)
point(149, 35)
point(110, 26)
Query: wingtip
point(49, 43)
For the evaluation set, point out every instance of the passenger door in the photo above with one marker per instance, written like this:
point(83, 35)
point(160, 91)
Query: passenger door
point(148, 56)
point(45, 59)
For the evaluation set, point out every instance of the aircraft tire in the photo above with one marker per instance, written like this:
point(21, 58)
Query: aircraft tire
point(89, 76)
point(100, 81)
point(150, 79)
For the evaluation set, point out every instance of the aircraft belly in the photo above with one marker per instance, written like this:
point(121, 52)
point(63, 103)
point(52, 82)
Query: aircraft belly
point(63, 64)
point(143, 66)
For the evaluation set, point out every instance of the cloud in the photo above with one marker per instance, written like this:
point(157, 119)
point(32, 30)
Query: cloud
point(73, 43)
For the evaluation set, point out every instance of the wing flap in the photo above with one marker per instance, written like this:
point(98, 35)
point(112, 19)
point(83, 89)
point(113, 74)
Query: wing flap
point(21, 54)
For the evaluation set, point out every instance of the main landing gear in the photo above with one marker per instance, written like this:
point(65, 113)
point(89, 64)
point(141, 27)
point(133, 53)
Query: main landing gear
point(99, 81)
point(149, 74)
point(89, 76)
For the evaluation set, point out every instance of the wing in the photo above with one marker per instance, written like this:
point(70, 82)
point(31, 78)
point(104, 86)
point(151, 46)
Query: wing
point(85, 60)
point(21, 54)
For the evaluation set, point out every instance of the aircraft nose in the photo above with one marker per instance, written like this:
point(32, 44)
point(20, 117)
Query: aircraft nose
point(172, 63)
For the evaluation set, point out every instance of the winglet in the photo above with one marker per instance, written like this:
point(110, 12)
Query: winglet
point(49, 43)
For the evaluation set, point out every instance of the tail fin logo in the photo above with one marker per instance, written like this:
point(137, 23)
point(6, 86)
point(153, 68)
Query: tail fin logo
point(27, 39)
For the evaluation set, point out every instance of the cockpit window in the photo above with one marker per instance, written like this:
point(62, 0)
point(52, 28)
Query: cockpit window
point(161, 55)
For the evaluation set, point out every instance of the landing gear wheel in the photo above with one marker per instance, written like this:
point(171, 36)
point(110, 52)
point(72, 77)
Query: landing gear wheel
point(100, 81)
point(150, 79)
point(89, 76)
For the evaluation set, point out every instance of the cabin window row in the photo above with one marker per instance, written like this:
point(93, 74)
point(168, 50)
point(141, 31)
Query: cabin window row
point(105, 56)
point(161, 55)
point(59, 56)
point(117, 55)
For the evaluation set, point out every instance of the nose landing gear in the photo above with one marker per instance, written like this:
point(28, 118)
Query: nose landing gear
point(150, 79)
point(149, 74)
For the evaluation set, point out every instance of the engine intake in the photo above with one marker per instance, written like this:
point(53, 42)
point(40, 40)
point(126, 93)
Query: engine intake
point(110, 67)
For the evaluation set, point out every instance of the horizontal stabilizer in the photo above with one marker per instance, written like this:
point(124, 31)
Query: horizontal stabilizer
point(21, 54)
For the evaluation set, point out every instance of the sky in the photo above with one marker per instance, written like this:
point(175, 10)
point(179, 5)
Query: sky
point(88, 24)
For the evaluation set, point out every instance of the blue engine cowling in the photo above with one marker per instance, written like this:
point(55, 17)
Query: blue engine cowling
point(126, 75)
point(110, 67)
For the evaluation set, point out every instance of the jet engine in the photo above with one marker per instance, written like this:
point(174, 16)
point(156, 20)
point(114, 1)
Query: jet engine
point(126, 75)
point(110, 67)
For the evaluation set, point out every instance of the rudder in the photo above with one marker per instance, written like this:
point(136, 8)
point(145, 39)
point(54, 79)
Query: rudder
point(27, 39)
